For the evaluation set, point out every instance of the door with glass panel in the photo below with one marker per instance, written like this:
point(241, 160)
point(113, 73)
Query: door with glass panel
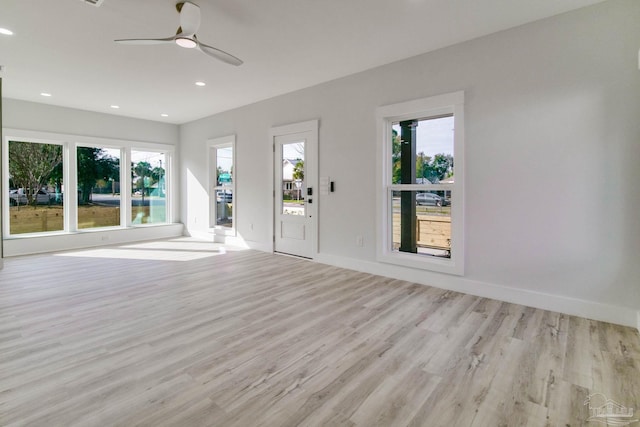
point(295, 198)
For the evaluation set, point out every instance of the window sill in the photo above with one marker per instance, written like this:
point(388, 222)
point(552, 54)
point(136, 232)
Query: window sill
point(426, 262)
point(82, 231)
point(33, 243)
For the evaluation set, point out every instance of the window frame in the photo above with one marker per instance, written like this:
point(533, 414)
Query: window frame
point(168, 158)
point(69, 145)
point(124, 210)
point(36, 139)
point(423, 108)
point(212, 146)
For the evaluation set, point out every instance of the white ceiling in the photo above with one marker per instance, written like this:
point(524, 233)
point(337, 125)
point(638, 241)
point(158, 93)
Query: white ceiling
point(66, 48)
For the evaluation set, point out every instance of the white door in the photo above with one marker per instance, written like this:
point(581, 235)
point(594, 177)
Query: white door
point(296, 197)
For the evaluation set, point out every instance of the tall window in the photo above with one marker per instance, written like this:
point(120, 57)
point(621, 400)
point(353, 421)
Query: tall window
point(148, 184)
point(422, 157)
point(222, 193)
point(35, 187)
point(421, 178)
point(98, 178)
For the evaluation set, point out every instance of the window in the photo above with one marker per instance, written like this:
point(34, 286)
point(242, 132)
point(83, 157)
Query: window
point(98, 178)
point(148, 202)
point(222, 177)
point(293, 183)
point(65, 183)
point(35, 193)
point(421, 176)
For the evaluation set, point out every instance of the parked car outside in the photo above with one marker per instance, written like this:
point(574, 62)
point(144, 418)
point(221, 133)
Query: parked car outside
point(17, 197)
point(428, 199)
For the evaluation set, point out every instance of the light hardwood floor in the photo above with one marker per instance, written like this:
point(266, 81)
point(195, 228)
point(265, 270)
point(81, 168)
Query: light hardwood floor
point(178, 333)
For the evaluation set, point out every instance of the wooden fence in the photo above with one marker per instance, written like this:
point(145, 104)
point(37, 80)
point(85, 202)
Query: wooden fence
point(26, 219)
point(98, 216)
point(433, 231)
point(29, 219)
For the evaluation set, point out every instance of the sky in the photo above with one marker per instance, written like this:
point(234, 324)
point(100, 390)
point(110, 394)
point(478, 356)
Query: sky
point(150, 157)
point(224, 158)
point(155, 159)
point(434, 136)
point(294, 150)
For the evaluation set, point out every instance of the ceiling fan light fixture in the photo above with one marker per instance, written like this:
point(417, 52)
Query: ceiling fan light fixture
point(186, 36)
point(186, 42)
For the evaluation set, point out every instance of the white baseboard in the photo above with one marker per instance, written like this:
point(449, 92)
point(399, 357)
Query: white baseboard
point(236, 241)
point(258, 246)
point(27, 245)
point(572, 306)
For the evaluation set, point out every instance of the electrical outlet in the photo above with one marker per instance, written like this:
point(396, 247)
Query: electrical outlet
point(359, 241)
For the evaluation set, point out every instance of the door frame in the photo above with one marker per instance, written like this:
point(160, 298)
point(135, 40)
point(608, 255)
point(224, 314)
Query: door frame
point(311, 176)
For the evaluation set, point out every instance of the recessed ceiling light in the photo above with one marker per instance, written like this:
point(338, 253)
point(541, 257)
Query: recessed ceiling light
point(201, 84)
point(115, 107)
point(45, 94)
point(6, 32)
point(164, 115)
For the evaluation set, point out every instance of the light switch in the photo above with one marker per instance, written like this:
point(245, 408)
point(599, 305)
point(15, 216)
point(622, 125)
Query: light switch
point(324, 185)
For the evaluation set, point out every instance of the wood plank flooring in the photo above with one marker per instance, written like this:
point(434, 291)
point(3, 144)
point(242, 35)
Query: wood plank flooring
point(181, 333)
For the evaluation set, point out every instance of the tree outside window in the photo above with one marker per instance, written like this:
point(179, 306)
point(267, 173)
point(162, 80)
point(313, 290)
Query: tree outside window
point(35, 187)
point(98, 177)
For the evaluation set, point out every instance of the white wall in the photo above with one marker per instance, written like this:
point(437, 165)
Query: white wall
point(552, 155)
point(49, 118)
point(29, 116)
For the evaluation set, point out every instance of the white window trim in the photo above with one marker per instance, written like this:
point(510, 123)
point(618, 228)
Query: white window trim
point(125, 209)
point(36, 138)
point(212, 145)
point(451, 103)
point(125, 172)
point(69, 143)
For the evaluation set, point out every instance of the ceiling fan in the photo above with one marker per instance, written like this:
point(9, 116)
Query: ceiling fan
point(186, 35)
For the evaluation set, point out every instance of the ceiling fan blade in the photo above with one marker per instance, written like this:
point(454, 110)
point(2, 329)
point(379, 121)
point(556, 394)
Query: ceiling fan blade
point(146, 41)
point(219, 54)
point(189, 18)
